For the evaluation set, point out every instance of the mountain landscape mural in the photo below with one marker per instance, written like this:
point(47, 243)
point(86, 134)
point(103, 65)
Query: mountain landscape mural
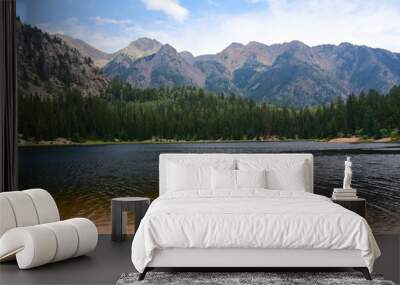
point(105, 86)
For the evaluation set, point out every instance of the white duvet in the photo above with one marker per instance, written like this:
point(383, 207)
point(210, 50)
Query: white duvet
point(250, 219)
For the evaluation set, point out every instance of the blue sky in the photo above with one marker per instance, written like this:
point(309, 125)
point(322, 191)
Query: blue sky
point(208, 26)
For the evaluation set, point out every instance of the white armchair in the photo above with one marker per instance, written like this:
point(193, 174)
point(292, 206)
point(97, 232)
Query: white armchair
point(31, 230)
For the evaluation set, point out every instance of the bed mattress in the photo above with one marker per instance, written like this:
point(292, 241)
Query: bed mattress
point(250, 219)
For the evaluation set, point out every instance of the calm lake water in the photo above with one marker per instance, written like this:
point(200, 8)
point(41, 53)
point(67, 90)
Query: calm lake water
point(83, 179)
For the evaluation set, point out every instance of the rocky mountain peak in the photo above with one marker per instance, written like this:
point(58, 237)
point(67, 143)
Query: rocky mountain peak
point(233, 46)
point(298, 44)
point(345, 45)
point(140, 48)
point(167, 49)
point(254, 44)
point(145, 44)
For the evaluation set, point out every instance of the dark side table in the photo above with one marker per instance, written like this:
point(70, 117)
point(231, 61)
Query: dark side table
point(119, 208)
point(356, 205)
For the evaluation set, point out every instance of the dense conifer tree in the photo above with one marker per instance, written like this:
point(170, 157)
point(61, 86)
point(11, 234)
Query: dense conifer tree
point(188, 113)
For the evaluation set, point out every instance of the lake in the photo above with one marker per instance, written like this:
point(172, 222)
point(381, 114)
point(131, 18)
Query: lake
point(83, 179)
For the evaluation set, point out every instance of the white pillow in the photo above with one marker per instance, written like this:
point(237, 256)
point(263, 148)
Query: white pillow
point(187, 174)
point(251, 178)
point(228, 179)
point(292, 177)
point(188, 177)
point(223, 179)
point(281, 174)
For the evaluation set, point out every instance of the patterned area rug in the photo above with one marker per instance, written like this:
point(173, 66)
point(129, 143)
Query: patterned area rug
point(230, 278)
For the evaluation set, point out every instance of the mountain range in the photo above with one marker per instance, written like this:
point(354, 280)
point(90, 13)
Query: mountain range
point(289, 74)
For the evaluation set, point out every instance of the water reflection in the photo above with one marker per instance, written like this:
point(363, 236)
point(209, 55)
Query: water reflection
point(83, 179)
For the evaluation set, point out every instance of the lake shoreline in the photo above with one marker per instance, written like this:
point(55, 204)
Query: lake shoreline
point(66, 142)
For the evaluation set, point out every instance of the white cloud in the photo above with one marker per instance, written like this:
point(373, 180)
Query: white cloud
point(103, 21)
point(170, 7)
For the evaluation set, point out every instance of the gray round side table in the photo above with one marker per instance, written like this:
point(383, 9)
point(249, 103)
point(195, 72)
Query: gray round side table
point(119, 208)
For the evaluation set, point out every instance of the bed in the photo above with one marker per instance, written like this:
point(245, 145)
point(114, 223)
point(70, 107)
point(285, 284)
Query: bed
point(245, 211)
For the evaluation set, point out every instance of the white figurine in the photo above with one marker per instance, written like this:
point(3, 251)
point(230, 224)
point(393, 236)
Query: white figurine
point(347, 174)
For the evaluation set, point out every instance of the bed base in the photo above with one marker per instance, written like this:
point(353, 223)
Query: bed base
point(363, 270)
point(251, 259)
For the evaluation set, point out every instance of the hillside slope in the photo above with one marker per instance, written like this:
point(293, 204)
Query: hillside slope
point(47, 65)
point(99, 57)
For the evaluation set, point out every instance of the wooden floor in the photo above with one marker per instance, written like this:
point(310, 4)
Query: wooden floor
point(111, 259)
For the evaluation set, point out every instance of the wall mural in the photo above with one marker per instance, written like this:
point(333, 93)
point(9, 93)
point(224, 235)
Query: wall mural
point(106, 86)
